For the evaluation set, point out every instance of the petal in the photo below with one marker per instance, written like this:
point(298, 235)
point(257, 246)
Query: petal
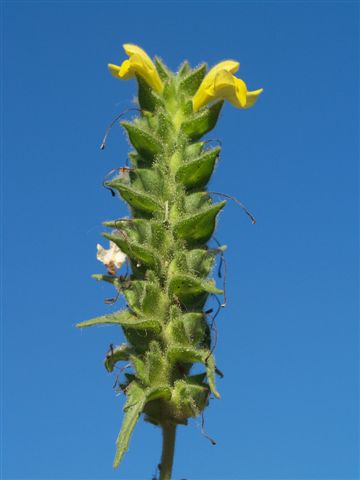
point(144, 66)
point(126, 70)
point(241, 92)
point(101, 253)
point(251, 97)
point(205, 92)
point(146, 71)
point(131, 49)
point(114, 70)
point(200, 99)
point(231, 66)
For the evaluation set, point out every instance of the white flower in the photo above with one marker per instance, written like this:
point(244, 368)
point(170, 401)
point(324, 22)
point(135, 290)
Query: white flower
point(112, 258)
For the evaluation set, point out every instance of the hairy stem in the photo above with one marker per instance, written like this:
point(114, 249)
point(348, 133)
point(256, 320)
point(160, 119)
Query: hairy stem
point(168, 449)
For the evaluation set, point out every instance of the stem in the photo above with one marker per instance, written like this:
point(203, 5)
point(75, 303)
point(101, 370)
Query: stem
point(168, 448)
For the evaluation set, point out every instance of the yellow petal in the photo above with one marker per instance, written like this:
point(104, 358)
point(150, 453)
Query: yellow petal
point(200, 99)
point(205, 93)
point(241, 92)
point(231, 66)
point(147, 71)
point(114, 70)
point(144, 66)
point(251, 97)
point(126, 70)
point(131, 49)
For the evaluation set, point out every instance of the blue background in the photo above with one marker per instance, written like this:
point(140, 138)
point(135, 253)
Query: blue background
point(288, 340)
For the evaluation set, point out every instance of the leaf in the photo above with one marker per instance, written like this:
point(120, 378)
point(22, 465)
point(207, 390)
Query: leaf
point(191, 291)
point(148, 99)
point(192, 81)
point(133, 408)
point(198, 228)
point(151, 180)
point(191, 285)
point(138, 253)
point(135, 198)
point(184, 69)
point(146, 144)
point(162, 69)
point(202, 122)
point(192, 355)
point(155, 393)
point(197, 173)
point(140, 369)
point(146, 299)
point(112, 319)
point(200, 261)
point(155, 364)
point(196, 328)
point(117, 354)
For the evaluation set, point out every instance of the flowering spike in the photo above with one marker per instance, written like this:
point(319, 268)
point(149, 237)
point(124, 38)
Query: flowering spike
point(173, 217)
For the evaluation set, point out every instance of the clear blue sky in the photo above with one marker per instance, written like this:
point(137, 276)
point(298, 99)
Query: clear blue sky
point(288, 340)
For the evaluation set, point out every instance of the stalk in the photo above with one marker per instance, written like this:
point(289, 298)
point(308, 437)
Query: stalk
point(168, 450)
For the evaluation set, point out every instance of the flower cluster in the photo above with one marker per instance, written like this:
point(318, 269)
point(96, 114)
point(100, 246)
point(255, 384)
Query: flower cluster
point(218, 84)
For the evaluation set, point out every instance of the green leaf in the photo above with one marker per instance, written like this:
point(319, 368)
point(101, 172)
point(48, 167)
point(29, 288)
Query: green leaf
point(136, 199)
point(148, 99)
point(196, 202)
point(191, 291)
point(151, 180)
point(133, 408)
point(210, 372)
point(126, 319)
point(192, 355)
point(184, 69)
point(160, 391)
point(197, 173)
point(162, 69)
point(112, 319)
point(138, 253)
point(198, 228)
point(146, 144)
point(200, 261)
point(155, 364)
point(146, 299)
point(117, 354)
point(193, 150)
point(189, 398)
point(190, 284)
point(175, 332)
point(202, 122)
point(140, 369)
point(165, 126)
point(196, 328)
point(192, 81)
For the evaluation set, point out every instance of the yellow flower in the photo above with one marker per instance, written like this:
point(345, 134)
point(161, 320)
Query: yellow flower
point(221, 84)
point(138, 63)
